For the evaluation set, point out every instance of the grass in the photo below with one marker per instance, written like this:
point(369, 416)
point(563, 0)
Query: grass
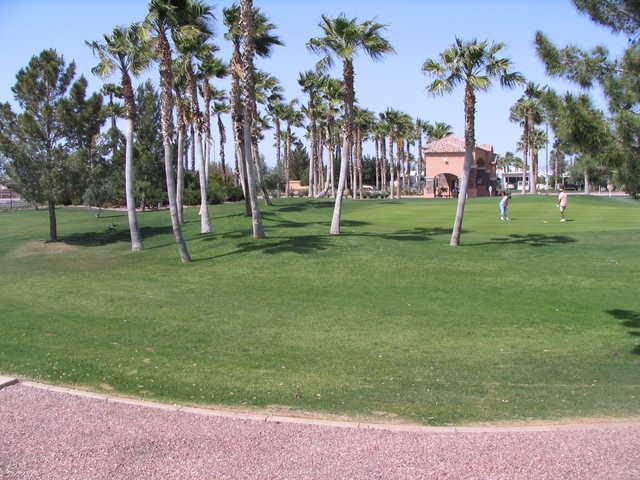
point(532, 319)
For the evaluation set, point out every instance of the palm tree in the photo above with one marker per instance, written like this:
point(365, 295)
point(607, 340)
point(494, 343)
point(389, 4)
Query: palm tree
point(159, 20)
point(221, 106)
point(537, 141)
point(293, 118)
point(527, 111)
point(344, 38)
point(190, 33)
point(210, 67)
point(311, 83)
point(277, 111)
point(438, 131)
point(363, 120)
point(332, 94)
point(475, 65)
point(127, 51)
point(183, 118)
point(263, 42)
point(248, 97)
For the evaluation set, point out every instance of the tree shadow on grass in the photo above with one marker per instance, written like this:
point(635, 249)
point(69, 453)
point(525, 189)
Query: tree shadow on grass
point(413, 234)
point(631, 320)
point(531, 239)
point(302, 244)
point(320, 204)
point(112, 235)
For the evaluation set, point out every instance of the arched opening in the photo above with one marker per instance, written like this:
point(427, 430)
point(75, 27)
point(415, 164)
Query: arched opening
point(446, 185)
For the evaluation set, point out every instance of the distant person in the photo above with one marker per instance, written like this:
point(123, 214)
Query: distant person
point(490, 191)
point(610, 188)
point(504, 206)
point(563, 200)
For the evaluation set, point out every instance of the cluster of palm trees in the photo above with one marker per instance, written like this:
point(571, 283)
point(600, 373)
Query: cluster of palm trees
point(178, 35)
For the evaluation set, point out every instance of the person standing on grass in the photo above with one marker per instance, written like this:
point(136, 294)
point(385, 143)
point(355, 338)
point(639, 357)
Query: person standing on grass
point(504, 206)
point(563, 200)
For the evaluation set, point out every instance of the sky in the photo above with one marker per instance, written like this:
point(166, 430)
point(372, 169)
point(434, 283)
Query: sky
point(418, 30)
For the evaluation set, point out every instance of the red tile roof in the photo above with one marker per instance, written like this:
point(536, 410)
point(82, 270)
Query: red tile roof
point(452, 144)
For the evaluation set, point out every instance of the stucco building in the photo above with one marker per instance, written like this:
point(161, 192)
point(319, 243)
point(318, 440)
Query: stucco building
point(444, 166)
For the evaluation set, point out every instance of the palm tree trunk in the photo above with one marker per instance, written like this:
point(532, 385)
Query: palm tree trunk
point(278, 140)
point(205, 227)
point(248, 92)
point(469, 144)
point(166, 101)
point(192, 148)
point(346, 144)
point(236, 120)
point(377, 142)
point(127, 91)
point(287, 158)
point(314, 151)
point(392, 168)
point(136, 242)
point(180, 175)
point(258, 164)
point(383, 162)
point(223, 140)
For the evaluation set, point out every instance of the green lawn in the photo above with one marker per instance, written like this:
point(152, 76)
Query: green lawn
point(529, 319)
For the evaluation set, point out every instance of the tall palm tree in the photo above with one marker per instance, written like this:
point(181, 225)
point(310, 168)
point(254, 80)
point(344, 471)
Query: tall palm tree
point(527, 111)
point(293, 118)
point(220, 107)
point(311, 82)
point(159, 20)
point(263, 42)
point(344, 38)
point(191, 32)
point(183, 118)
point(128, 52)
point(332, 94)
point(475, 65)
point(248, 97)
point(277, 111)
point(210, 67)
point(363, 120)
point(537, 141)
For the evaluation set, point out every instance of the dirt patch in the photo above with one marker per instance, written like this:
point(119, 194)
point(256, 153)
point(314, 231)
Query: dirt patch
point(40, 247)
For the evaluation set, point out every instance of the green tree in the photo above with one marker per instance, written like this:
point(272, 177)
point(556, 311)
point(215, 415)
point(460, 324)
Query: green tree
point(148, 147)
point(475, 65)
point(34, 139)
point(82, 117)
point(126, 51)
point(344, 38)
point(619, 77)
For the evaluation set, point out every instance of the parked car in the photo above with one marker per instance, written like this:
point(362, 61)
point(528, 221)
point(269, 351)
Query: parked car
point(369, 191)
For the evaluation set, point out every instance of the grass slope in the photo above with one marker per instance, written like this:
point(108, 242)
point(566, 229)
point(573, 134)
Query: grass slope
point(529, 319)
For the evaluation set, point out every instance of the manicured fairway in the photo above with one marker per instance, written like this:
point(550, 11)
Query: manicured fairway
point(529, 319)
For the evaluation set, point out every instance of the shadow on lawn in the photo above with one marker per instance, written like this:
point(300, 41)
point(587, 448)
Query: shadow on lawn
point(304, 244)
point(274, 245)
point(303, 206)
point(274, 221)
point(631, 320)
point(532, 239)
point(112, 235)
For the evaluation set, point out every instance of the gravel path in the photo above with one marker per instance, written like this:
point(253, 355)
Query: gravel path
point(53, 435)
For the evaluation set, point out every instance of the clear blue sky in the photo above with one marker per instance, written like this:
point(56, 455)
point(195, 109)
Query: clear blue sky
point(417, 29)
